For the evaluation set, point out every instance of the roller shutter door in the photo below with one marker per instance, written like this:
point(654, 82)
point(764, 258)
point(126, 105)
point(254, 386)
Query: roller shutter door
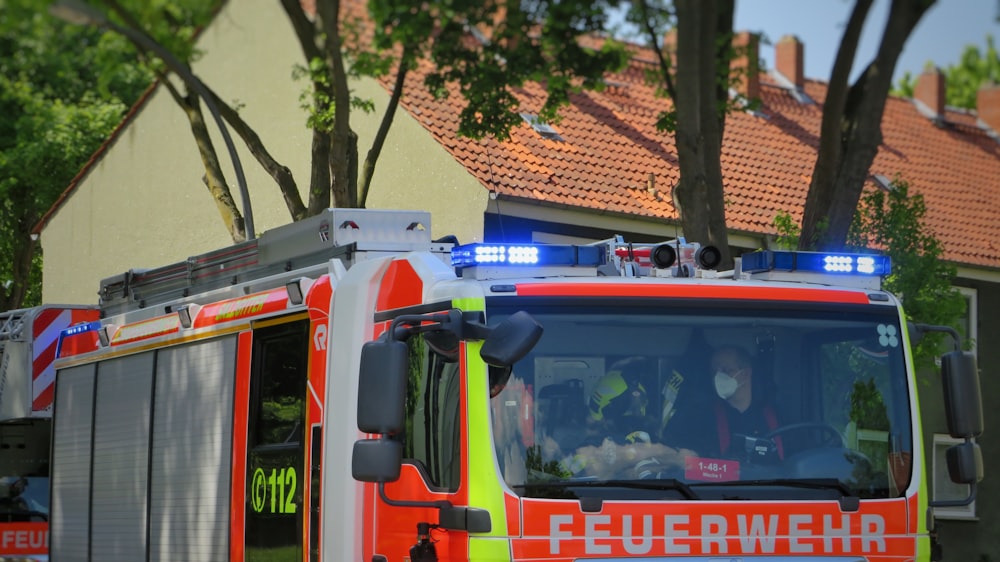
point(121, 458)
point(69, 531)
point(191, 461)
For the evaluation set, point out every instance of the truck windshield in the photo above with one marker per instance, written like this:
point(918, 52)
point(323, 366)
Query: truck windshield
point(714, 400)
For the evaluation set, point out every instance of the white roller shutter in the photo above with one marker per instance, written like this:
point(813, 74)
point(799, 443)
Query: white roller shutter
point(191, 459)
point(121, 458)
point(69, 514)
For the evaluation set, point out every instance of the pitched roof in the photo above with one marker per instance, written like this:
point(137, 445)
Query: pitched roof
point(608, 149)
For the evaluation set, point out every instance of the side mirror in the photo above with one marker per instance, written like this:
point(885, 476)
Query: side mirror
point(963, 403)
point(965, 463)
point(509, 341)
point(382, 386)
point(381, 392)
point(376, 460)
point(498, 378)
point(965, 466)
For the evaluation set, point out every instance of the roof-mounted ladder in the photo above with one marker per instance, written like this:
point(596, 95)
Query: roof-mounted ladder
point(11, 324)
point(334, 233)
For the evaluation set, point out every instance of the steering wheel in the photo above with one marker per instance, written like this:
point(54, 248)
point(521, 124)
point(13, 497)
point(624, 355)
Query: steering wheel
point(827, 430)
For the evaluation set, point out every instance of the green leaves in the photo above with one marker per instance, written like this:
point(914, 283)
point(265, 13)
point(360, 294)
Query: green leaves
point(63, 89)
point(976, 67)
point(510, 44)
point(867, 406)
point(892, 222)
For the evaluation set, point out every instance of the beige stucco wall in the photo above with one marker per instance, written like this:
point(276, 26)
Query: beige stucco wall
point(144, 204)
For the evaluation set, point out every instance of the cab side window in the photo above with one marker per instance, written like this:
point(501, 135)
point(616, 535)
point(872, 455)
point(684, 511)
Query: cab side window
point(275, 445)
point(431, 437)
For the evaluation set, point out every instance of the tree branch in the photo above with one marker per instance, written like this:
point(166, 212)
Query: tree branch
point(383, 128)
point(278, 172)
point(214, 178)
point(663, 61)
point(821, 187)
point(852, 132)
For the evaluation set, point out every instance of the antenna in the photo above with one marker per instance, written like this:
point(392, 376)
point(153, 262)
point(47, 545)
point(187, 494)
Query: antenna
point(493, 193)
point(680, 267)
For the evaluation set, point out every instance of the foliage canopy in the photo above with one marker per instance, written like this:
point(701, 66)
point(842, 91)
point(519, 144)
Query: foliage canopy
point(58, 103)
point(892, 223)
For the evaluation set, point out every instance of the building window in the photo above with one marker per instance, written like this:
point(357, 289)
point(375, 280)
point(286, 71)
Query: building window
point(969, 321)
point(942, 486)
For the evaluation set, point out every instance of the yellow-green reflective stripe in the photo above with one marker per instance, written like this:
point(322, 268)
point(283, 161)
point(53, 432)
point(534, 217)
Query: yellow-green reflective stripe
point(485, 491)
point(923, 547)
point(919, 453)
point(483, 549)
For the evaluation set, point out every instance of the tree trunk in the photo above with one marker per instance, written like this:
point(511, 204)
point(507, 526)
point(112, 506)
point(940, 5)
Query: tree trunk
point(851, 130)
point(698, 196)
point(345, 192)
point(12, 296)
point(214, 179)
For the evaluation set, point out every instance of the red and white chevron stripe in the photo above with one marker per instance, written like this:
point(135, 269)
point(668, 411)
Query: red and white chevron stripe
point(45, 330)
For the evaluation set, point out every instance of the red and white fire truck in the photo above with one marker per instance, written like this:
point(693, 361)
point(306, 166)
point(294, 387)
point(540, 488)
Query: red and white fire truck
point(347, 388)
point(28, 343)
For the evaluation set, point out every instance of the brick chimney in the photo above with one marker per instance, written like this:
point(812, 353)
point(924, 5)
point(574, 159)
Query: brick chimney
point(788, 60)
point(747, 62)
point(988, 106)
point(929, 91)
point(670, 40)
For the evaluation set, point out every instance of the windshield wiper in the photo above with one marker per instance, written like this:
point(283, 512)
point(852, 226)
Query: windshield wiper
point(849, 501)
point(665, 484)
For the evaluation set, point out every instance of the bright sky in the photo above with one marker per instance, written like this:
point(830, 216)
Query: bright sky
point(941, 35)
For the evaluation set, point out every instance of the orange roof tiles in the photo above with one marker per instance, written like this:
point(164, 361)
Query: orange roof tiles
point(610, 146)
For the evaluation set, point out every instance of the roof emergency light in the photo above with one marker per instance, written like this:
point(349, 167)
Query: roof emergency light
point(817, 262)
point(513, 255)
point(81, 329)
point(76, 330)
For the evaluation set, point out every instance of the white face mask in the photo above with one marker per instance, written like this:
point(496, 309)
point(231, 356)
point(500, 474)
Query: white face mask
point(725, 385)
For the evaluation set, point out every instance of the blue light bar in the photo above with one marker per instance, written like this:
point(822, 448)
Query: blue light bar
point(513, 255)
point(81, 329)
point(869, 265)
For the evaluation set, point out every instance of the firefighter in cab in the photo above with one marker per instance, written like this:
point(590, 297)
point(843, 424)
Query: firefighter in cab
point(620, 426)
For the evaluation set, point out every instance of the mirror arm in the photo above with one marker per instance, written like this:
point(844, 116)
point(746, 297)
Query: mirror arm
point(475, 330)
point(922, 329)
point(957, 503)
point(404, 503)
point(471, 519)
point(465, 325)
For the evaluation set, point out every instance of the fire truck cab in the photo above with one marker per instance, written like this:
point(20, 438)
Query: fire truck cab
point(346, 388)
